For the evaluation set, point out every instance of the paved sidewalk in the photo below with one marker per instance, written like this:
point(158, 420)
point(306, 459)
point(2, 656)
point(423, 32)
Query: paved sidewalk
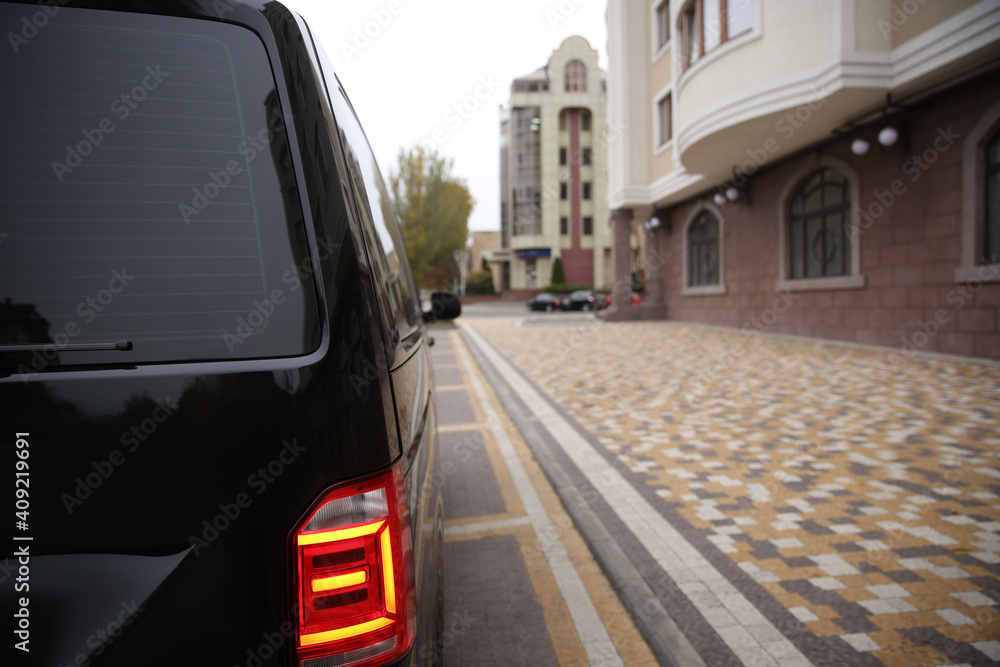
point(521, 587)
point(789, 502)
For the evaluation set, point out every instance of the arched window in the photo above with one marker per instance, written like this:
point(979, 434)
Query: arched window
point(703, 250)
point(992, 241)
point(981, 200)
point(576, 77)
point(819, 227)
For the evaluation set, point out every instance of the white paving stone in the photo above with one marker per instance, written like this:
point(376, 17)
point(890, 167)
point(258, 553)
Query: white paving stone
point(888, 591)
point(845, 528)
point(974, 599)
point(827, 583)
point(954, 617)
point(787, 543)
point(833, 565)
point(861, 642)
point(803, 614)
point(990, 649)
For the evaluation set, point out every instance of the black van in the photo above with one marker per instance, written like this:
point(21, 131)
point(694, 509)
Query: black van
point(217, 412)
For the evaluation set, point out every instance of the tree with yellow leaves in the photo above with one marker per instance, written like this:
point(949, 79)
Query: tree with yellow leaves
point(434, 209)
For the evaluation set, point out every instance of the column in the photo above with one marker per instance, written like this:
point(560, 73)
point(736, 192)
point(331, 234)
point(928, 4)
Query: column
point(621, 260)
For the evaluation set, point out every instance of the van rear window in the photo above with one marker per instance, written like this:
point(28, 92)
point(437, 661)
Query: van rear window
point(147, 199)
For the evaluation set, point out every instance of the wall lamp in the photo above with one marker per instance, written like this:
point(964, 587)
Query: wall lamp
point(731, 195)
point(660, 219)
point(889, 134)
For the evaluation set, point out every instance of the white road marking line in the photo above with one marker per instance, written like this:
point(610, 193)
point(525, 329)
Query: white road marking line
point(709, 591)
point(483, 526)
point(591, 631)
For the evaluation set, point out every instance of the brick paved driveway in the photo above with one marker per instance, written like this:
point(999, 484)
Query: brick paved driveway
point(852, 496)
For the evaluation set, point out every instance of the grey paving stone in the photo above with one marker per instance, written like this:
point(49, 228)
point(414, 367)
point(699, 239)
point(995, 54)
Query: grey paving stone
point(509, 628)
point(454, 407)
point(447, 376)
point(471, 487)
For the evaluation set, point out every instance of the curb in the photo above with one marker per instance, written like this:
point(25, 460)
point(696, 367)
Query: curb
point(665, 639)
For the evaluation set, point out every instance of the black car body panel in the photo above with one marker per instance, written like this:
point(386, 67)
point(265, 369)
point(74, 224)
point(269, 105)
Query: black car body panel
point(545, 301)
point(163, 488)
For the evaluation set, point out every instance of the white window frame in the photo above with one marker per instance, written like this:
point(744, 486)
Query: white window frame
point(660, 49)
point(705, 290)
point(856, 279)
point(731, 43)
point(660, 146)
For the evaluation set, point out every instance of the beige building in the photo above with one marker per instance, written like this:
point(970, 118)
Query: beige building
point(553, 159)
point(834, 164)
point(483, 244)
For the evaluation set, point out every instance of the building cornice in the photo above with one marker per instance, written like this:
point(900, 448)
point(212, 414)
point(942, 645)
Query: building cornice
point(912, 65)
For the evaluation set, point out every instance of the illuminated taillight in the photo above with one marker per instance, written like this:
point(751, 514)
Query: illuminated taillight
point(353, 579)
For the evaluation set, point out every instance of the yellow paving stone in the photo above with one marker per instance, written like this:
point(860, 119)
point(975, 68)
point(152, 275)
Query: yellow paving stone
point(855, 594)
point(824, 628)
point(794, 440)
point(824, 611)
point(968, 633)
point(932, 602)
point(890, 640)
point(917, 656)
point(796, 573)
point(906, 620)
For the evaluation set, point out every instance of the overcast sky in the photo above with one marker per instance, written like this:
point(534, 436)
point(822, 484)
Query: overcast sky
point(429, 56)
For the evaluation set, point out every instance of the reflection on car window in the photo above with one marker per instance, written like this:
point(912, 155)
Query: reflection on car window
point(141, 196)
point(390, 262)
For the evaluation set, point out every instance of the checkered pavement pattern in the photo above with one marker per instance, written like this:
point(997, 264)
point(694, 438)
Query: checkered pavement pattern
point(860, 488)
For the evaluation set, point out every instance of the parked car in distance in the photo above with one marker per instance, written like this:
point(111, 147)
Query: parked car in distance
point(545, 301)
point(212, 350)
point(585, 300)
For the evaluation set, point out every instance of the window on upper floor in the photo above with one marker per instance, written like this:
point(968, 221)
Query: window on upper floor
point(564, 226)
point(585, 121)
point(586, 190)
point(819, 224)
point(664, 114)
point(585, 157)
point(588, 226)
point(562, 157)
point(706, 24)
point(576, 77)
point(662, 24)
point(563, 191)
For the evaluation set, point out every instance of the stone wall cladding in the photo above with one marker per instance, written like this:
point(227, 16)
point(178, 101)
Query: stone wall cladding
point(909, 253)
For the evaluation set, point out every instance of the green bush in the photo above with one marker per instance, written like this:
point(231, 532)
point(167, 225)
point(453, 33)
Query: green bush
point(558, 275)
point(479, 282)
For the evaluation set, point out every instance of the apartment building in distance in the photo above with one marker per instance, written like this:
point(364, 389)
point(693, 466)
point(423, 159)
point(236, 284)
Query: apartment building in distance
point(553, 174)
point(821, 168)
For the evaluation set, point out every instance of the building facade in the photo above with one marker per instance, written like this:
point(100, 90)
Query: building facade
point(824, 168)
point(483, 244)
point(553, 174)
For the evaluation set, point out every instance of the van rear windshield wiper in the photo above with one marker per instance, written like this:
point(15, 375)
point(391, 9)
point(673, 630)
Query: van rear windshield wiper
point(121, 345)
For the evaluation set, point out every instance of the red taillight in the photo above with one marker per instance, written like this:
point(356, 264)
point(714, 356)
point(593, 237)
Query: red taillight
point(558, 302)
point(353, 579)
